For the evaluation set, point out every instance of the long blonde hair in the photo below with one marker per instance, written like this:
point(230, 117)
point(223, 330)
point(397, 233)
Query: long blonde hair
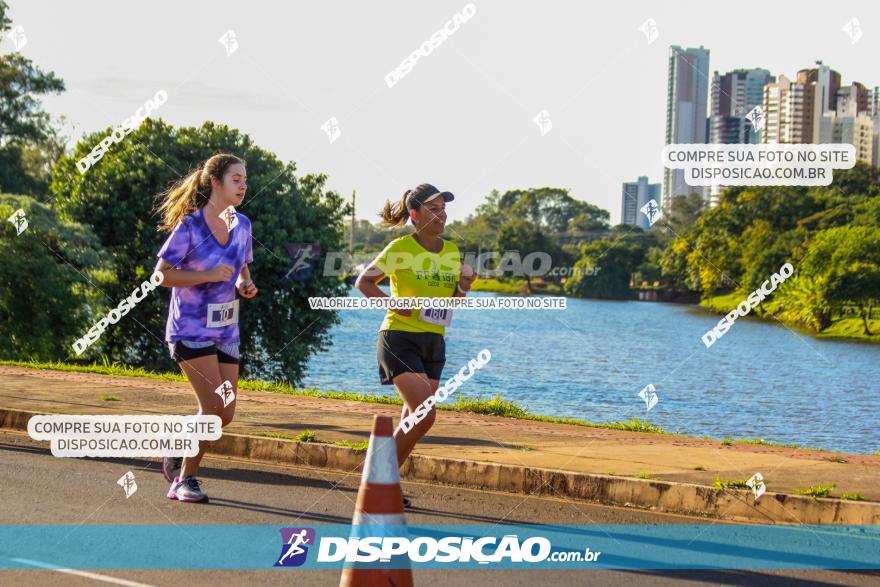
point(193, 191)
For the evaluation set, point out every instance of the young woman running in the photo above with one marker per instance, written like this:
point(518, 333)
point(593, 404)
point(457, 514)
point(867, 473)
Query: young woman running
point(410, 348)
point(205, 260)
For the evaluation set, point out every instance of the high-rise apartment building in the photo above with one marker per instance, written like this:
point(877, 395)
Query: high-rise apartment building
point(733, 96)
point(635, 196)
point(686, 102)
point(789, 111)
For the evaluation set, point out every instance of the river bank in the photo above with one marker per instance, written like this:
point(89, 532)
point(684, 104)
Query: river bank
point(842, 328)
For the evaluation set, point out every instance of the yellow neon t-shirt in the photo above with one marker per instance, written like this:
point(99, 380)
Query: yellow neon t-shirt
point(416, 272)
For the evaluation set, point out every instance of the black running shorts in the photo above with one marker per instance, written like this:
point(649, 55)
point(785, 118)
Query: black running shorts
point(400, 351)
point(179, 351)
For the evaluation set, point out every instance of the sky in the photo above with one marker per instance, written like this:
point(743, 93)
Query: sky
point(462, 117)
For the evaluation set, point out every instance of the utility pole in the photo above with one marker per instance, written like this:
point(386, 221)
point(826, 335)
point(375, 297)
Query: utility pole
point(351, 234)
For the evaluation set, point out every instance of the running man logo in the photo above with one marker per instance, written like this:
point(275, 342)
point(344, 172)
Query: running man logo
point(19, 221)
point(295, 546)
point(854, 30)
point(756, 482)
point(650, 30)
point(649, 394)
point(226, 393)
point(229, 217)
point(303, 257)
point(543, 121)
point(652, 211)
point(18, 38)
point(128, 484)
point(757, 118)
point(331, 127)
point(229, 41)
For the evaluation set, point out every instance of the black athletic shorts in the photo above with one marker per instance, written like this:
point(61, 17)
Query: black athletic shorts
point(179, 351)
point(400, 351)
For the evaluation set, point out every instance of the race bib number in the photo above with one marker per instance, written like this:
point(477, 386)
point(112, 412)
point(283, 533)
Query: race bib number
point(441, 317)
point(220, 315)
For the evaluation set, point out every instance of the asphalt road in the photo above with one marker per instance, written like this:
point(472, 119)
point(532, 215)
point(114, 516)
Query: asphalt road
point(41, 489)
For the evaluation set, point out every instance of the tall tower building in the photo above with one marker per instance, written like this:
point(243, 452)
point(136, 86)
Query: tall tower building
point(637, 194)
point(686, 120)
point(854, 93)
point(733, 96)
point(847, 124)
point(874, 113)
point(788, 112)
point(825, 82)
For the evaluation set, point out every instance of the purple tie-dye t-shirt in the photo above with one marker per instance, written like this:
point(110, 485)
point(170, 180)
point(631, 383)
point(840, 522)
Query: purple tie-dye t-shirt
point(193, 247)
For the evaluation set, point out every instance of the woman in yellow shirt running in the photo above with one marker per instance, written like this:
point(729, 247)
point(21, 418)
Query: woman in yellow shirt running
point(410, 348)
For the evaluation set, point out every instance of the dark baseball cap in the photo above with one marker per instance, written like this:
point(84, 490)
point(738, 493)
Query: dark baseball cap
point(423, 193)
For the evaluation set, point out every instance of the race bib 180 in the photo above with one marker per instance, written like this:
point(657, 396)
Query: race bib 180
point(220, 315)
point(441, 317)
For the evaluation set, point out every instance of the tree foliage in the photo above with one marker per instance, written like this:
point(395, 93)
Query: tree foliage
point(116, 197)
point(43, 304)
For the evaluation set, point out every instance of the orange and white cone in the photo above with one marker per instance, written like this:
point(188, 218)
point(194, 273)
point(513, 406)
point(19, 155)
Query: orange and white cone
point(379, 504)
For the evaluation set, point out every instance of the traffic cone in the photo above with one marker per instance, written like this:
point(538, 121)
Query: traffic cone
point(379, 504)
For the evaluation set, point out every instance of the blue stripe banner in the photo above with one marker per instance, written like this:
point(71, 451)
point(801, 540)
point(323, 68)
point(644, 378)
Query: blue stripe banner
point(700, 546)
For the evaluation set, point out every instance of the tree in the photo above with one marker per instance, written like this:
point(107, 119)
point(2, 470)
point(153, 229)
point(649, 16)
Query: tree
point(116, 196)
point(847, 258)
point(44, 307)
point(26, 132)
point(525, 237)
point(684, 211)
point(616, 259)
point(553, 209)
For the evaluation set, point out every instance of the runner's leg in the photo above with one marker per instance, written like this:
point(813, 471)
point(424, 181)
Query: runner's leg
point(204, 376)
point(229, 372)
point(414, 388)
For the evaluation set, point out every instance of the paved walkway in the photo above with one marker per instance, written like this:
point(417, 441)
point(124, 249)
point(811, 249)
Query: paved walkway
point(459, 435)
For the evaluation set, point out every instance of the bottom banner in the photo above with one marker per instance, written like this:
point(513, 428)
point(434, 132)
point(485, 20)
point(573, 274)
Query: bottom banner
point(717, 546)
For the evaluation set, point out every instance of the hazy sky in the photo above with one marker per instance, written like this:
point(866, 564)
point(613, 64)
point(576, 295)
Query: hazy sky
point(462, 117)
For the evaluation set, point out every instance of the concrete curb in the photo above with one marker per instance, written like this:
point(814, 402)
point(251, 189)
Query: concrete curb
point(665, 496)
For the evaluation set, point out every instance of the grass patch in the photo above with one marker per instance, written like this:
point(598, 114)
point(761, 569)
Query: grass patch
point(110, 398)
point(836, 459)
point(823, 490)
point(515, 286)
point(310, 436)
point(633, 425)
point(727, 442)
point(643, 475)
point(497, 406)
point(360, 445)
point(493, 285)
point(853, 496)
point(850, 327)
point(761, 441)
point(278, 435)
point(307, 436)
point(732, 484)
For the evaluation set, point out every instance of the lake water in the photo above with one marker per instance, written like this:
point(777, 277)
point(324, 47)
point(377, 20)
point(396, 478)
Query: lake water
point(590, 361)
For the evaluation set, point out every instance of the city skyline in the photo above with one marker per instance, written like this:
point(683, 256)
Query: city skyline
point(462, 118)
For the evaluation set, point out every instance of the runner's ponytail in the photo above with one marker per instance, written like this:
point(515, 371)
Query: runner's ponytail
point(395, 214)
point(193, 191)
